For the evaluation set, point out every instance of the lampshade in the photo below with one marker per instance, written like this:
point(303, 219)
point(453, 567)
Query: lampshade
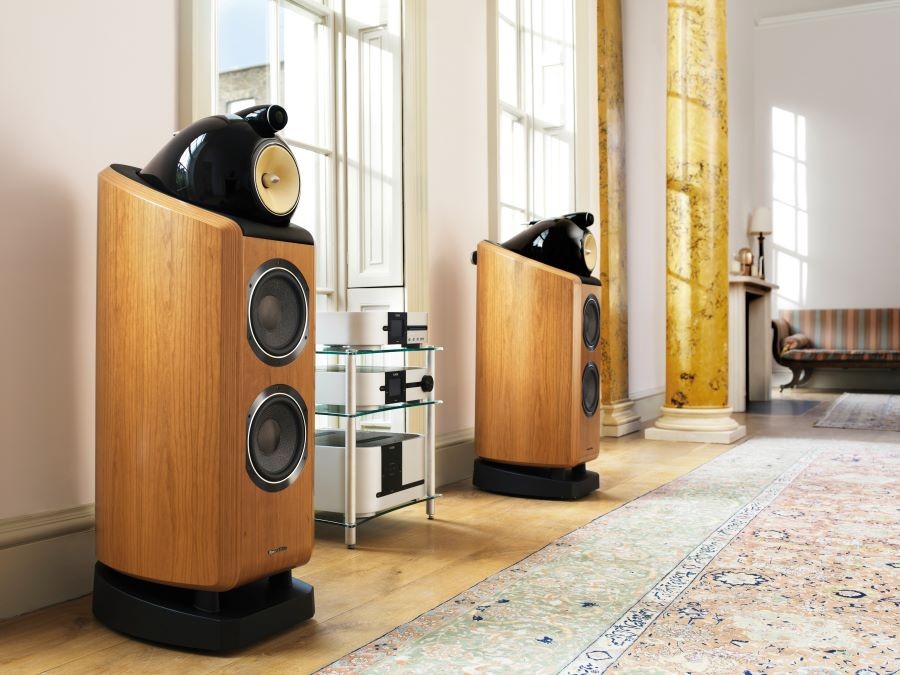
point(761, 221)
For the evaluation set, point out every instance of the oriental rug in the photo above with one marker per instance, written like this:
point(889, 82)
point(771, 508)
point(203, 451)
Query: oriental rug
point(777, 556)
point(875, 412)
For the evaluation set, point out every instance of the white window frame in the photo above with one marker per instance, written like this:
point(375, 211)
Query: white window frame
point(197, 98)
point(586, 167)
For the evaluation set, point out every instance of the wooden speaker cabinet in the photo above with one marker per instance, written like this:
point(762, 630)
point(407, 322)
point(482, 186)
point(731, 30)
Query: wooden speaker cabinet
point(537, 386)
point(204, 421)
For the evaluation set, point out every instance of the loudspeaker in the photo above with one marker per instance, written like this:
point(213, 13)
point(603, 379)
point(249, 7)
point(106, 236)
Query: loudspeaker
point(205, 395)
point(537, 385)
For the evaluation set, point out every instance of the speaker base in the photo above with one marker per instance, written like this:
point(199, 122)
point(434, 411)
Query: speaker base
point(538, 482)
point(172, 616)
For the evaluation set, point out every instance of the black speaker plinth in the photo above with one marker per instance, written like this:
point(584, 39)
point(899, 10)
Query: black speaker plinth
point(531, 481)
point(201, 620)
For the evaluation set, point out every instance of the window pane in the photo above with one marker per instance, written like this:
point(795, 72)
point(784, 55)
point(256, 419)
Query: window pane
point(553, 185)
point(511, 222)
point(314, 210)
point(783, 132)
point(784, 229)
point(512, 160)
point(802, 233)
point(789, 276)
point(508, 54)
point(783, 179)
point(242, 53)
point(801, 186)
point(305, 75)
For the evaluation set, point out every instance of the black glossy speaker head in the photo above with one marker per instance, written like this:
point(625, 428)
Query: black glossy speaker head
point(233, 164)
point(277, 312)
point(276, 438)
point(564, 243)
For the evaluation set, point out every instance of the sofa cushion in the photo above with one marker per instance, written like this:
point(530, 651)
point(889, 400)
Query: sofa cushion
point(795, 341)
point(842, 355)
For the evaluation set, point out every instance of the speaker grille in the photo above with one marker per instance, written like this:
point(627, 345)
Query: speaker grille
point(276, 437)
point(590, 322)
point(590, 389)
point(278, 312)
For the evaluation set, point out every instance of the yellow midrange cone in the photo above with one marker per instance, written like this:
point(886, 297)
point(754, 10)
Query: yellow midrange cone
point(277, 179)
point(589, 251)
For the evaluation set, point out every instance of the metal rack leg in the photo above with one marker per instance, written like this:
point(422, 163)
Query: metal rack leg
point(350, 457)
point(429, 443)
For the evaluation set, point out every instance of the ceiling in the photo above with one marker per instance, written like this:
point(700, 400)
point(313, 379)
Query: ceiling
point(767, 9)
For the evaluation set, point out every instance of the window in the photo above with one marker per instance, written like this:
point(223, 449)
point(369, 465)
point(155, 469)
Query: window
point(335, 65)
point(790, 234)
point(536, 117)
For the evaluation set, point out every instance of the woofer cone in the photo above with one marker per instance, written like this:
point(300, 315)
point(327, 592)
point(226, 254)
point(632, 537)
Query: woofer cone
point(590, 389)
point(590, 322)
point(277, 312)
point(276, 438)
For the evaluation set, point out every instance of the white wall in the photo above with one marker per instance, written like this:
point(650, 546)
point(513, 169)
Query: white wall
point(644, 54)
point(741, 124)
point(841, 73)
point(457, 209)
point(644, 44)
point(84, 84)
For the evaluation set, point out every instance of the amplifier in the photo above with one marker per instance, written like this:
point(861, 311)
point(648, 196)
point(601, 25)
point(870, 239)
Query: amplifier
point(371, 329)
point(375, 385)
point(390, 470)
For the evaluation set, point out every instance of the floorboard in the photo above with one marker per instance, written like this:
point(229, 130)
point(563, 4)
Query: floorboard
point(403, 566)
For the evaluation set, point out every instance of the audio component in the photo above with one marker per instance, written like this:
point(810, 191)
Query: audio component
point(359, 329)
point(205, 389)
point(375, 385)
point(537, 385)
point(390, 470)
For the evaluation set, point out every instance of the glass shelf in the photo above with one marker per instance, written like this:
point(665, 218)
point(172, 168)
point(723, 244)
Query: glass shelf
point(341, 411)
point(388, 349)
point(338, 518)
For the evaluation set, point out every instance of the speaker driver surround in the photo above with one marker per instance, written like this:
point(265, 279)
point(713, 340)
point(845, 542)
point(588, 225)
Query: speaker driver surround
point(277, 312)
point(276, 438)
point(590, 389)
point(590, 322)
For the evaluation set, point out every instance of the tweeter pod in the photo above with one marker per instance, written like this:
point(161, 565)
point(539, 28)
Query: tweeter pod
point(233, 164)
point(565, 243)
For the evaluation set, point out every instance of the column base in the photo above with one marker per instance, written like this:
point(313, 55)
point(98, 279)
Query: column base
point(696, 425)
point(619, 419)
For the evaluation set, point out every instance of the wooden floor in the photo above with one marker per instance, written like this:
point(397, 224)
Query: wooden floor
point(403, 566)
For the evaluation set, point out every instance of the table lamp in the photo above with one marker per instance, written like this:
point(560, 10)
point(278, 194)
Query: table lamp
point(761, 225)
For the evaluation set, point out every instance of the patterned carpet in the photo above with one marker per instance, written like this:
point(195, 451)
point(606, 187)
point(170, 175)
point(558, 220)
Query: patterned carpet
point(877, 412)
point(779, 555)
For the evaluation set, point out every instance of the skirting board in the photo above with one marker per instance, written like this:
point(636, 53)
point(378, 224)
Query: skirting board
point(648, 403)
point(45, 572)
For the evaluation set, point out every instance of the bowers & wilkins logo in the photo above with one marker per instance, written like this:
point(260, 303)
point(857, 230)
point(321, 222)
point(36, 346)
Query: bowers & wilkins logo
point(280, 549)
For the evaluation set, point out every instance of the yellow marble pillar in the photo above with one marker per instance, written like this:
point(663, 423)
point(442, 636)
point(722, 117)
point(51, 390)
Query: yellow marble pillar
point(696, 405)
point(619, 417)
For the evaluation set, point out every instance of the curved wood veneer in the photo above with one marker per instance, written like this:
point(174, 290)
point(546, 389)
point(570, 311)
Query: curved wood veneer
point(175, 380)
point(529, 361)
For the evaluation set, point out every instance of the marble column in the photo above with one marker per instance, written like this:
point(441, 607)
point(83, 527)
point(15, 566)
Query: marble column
point(696, 406)
point(619, 417)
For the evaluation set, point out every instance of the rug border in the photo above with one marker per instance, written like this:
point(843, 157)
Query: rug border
point(551, 543)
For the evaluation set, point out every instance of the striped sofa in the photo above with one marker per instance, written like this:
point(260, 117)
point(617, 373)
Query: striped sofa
point(806, 339)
